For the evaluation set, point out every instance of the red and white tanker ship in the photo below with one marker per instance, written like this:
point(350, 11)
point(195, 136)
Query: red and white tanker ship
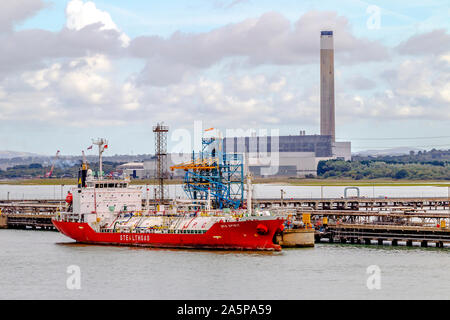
point(110, 212)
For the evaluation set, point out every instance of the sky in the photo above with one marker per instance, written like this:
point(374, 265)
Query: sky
point(74, 70)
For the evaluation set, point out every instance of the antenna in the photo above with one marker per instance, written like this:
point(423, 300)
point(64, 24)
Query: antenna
point(102, 145)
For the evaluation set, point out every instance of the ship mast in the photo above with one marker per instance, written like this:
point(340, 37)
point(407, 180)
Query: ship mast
point(102, 145)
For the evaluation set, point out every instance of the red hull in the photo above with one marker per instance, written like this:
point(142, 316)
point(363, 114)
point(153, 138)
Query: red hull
point(240, 235)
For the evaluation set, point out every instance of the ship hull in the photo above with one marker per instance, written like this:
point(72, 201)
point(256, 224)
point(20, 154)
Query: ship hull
point(241, 235)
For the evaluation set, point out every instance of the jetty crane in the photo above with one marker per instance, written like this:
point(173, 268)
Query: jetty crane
point(48, 174)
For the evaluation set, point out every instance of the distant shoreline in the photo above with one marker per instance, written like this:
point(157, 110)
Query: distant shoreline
point(282, 181)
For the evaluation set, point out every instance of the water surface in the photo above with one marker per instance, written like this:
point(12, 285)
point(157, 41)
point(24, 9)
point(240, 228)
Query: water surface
point(18, 192)
point(34, 266)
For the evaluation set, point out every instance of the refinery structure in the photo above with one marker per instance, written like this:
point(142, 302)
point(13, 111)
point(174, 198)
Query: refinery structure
point(292, 155)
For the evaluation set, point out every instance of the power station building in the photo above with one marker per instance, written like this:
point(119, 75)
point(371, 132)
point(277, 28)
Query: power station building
point(293, 156)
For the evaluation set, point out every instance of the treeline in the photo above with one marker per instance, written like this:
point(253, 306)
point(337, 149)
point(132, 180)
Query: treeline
point(36, 170)
point(376, 169)
point(433, 157)
point(46, 161)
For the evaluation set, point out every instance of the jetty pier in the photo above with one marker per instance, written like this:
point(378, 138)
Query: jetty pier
point(410, 221)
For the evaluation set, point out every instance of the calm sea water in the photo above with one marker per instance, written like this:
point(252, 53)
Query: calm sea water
point(35, 265)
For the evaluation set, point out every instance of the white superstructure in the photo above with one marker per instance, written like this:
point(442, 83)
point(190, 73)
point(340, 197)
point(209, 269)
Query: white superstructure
point(104, 199)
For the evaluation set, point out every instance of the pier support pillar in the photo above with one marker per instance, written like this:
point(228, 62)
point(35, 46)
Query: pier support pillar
point(3, 221)
point(424, 244)
point(409, 243)
point(395, 242)
point(380, 242)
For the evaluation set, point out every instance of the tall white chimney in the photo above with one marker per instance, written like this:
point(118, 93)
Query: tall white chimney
point(327, 117)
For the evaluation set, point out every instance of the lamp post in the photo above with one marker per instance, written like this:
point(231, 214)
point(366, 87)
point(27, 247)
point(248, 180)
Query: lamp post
point(60, 199)
point(282, 194)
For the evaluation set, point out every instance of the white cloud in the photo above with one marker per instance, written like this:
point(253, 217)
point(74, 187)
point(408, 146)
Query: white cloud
point(42, 78)
point(445, 93)
point(16, 11)
point(71, 92)
point(131, 97)
point(81, 14)
point(87, 85)
point(445, 58)
point(270, 39)
point(287, 97)
point(276, 86)
point(81, 79)
point(250, 83)
point(433, 42)
point(260, 72)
